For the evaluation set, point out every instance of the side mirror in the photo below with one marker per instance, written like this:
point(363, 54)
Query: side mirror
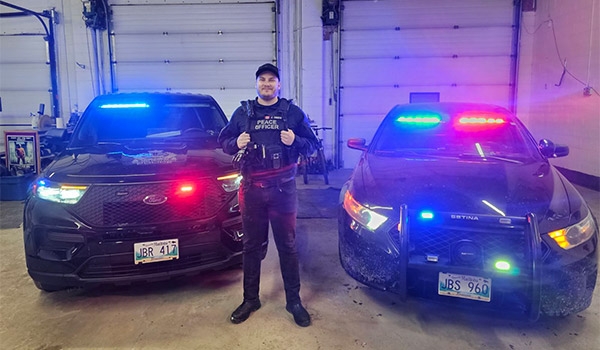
point(359, 144)
point(550, 150)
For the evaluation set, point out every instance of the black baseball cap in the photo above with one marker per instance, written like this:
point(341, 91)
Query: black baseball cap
point(267, 67)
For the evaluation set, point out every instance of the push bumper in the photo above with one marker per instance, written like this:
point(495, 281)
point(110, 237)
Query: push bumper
point(403, 260)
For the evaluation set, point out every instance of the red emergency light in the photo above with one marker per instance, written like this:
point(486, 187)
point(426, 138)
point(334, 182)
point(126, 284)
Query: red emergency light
point(185, 189)
point(475, 120)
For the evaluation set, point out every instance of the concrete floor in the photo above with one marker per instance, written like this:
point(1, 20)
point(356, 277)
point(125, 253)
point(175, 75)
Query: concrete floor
point(193, 313)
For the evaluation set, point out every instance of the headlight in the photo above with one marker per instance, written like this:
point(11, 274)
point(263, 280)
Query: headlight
point(361, 214)
point(231, 182)
point(53, 192)
point(572, 236)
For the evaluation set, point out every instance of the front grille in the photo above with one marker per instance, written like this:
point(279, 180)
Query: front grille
point(442, 242)
point(486, 238)
point(111, 205)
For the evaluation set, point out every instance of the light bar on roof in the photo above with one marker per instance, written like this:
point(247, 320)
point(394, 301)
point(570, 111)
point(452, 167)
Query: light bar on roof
point(420, 119)
point(125, 105)
point(480, 120)
point(481, 117)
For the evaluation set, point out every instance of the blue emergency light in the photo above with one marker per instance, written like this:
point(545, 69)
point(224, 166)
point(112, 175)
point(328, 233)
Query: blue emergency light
point(125, 105)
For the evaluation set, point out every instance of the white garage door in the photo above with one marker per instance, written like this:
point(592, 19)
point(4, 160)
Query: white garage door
point(210, 48)
point(24, 71)
point(459, 49)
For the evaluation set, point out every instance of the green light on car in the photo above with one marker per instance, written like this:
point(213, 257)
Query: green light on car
point(502, 265)
point(505, 267)
point(427, 119)
point(426, 215)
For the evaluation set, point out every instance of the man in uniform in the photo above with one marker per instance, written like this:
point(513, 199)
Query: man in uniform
point(268, 133)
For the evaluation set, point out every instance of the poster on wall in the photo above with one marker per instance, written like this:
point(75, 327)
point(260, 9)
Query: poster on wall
point(22, 152)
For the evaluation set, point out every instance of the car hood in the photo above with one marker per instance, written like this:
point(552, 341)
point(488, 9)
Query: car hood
point(472, 187)
point(147, 164)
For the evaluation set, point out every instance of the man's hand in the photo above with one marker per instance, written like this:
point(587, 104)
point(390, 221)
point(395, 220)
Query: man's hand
point(287, 137)
point(242, 140)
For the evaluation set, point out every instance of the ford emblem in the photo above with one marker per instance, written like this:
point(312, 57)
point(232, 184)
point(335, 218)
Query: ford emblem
point(154, 199)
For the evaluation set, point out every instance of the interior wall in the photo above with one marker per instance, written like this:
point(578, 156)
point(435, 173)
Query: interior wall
point(559, 60)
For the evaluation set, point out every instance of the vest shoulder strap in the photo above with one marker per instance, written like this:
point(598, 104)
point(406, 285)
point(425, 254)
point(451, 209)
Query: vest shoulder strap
point(248, 107)
point(284, 107)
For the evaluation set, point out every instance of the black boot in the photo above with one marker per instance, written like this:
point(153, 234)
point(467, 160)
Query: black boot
point(243, 311)
point(300, 314)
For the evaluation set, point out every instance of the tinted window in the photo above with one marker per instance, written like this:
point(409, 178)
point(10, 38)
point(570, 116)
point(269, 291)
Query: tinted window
point(119, 122)
point(447, 135)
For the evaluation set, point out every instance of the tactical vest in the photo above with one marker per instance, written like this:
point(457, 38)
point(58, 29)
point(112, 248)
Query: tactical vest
point(276, 122)
point(266, 151)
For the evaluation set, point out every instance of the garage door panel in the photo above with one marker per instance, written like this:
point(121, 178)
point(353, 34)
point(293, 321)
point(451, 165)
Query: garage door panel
point(185, 76)
point(192, 18)
point(24, 77)
point(20, 25)
point(494, 94)
point(425, 71)
point(410, 14)
point(22, 49)
point(379, 100)
point(196, 47)
point(24, 71)
point(373, 101)
point(227, 98)
point(367, 123)
point(426, 42)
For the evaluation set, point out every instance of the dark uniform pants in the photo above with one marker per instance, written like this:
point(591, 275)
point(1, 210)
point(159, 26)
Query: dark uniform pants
point(261, 203)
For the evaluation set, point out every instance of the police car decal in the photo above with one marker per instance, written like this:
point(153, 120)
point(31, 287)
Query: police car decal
point(153, 157)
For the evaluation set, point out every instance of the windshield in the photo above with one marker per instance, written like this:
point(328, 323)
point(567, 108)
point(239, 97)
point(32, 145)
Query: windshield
point(474, 135)
point(119, 123)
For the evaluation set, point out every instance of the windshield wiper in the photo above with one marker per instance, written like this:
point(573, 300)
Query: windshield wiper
point(93, 145)
point(418, 152)
point(484, 157)
point(164, 134)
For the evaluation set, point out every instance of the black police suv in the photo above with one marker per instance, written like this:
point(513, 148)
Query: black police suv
point(142, 192)
point(457, 203)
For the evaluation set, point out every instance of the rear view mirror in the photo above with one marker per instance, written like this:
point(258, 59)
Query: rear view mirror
point(550, 150)
point(359, 144)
